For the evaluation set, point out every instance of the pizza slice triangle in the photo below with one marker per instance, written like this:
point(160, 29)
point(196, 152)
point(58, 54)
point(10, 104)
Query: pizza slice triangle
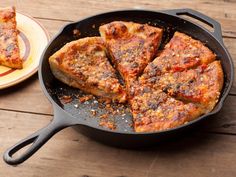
point(181, 53)
point(83, 64)
point(200, 85)
point(131, 46)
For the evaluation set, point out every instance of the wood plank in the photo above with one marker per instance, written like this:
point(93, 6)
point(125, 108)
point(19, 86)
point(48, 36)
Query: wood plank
point(197, 154)
point(222, 11)
point(26, 96)
point(224, 121)
point(52, 26)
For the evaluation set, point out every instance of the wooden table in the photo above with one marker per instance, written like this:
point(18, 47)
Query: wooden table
point(210, 151)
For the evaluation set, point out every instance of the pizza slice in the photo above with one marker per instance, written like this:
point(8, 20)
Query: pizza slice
point(9, 49)
point(181, 53)
point(154, 110)
point(83, 64)
point(201, 85)
point(131, 46)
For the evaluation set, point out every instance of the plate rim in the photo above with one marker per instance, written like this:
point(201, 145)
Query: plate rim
point(32, 72)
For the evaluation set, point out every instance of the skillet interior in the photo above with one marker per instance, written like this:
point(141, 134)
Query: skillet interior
point(89, 27)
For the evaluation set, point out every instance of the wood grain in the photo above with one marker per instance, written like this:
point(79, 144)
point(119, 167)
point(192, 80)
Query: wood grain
point(75, 155)
point(222, 11)
point(26, 97)
point(208, 151)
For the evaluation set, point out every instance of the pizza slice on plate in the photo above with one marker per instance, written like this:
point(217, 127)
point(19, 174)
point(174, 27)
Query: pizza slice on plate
point(83, 64)
point(131, 46)
point(9, 49)
point(181, 53)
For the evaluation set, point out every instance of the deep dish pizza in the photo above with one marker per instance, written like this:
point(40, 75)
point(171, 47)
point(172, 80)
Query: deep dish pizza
point(9, 49)
point(183, 81)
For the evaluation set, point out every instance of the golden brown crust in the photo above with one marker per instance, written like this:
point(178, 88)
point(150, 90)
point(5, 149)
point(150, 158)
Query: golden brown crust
point(83, 64)
point(9, 49)
point(181, 53)
point(131, 46)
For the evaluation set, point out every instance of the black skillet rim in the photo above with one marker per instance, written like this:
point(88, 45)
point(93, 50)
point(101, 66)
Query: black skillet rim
point(219, 104)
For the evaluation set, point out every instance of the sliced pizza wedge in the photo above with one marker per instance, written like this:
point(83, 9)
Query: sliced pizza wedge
point(131, 46)
point(154, 110)
point(9, 49)
point(201, 85)
point(83, 64)
point(181, 53)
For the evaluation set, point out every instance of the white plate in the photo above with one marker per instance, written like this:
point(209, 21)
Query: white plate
point(32, 39)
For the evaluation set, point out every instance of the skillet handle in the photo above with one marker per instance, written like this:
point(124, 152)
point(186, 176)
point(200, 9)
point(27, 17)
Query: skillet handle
point(36, 140)
point(217, 33)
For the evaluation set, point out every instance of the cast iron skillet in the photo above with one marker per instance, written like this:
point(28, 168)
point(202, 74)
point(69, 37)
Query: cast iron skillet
point(66, 115)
